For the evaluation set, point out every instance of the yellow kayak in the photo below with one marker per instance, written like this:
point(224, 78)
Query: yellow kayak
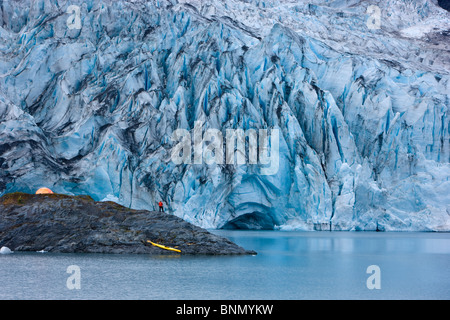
point(163, 247)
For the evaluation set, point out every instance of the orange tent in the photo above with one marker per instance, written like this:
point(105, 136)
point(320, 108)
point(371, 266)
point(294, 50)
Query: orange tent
point(44, 191)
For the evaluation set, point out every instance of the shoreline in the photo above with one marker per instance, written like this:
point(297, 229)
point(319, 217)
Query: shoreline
point(70, 224)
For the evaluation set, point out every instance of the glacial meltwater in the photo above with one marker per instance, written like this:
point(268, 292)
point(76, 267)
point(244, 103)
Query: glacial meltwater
point(289, 265)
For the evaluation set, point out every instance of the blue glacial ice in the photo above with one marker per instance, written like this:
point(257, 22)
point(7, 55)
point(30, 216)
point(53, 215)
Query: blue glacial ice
point(363, 115)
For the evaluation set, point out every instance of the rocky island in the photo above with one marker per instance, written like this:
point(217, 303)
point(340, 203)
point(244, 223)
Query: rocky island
point(78, 224)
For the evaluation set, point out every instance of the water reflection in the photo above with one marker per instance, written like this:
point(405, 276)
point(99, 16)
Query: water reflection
point(289, 265)
point(341, 242)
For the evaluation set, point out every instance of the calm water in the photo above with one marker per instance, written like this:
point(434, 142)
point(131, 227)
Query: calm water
point(294, 265)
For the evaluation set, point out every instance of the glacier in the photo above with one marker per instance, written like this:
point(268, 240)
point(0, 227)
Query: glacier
point(90, 106)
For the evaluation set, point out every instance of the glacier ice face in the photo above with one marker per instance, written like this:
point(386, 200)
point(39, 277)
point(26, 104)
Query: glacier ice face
point(364, 137)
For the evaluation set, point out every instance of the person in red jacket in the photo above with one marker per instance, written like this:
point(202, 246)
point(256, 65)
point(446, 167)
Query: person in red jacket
point(161, 209)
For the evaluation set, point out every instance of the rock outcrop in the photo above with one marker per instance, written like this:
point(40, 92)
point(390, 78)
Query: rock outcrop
point(62, 223)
